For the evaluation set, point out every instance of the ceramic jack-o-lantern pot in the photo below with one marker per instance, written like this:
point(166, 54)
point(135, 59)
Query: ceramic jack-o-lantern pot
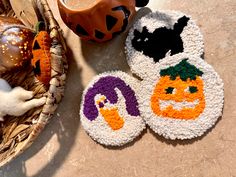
point(98, 20)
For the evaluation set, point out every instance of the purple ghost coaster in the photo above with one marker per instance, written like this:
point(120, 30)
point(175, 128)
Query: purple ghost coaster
point(110, 109)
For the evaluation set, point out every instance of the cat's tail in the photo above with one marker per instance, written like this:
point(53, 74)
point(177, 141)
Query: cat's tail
point(181, 23)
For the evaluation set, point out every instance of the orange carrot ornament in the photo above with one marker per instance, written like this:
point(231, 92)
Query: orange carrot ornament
point(41, 57)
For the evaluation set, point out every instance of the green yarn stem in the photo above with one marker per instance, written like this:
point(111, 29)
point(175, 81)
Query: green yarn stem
point(40, 26)
point(184, 70)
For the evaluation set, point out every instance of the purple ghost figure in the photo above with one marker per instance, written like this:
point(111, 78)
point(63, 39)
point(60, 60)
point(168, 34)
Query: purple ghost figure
point(106, 86)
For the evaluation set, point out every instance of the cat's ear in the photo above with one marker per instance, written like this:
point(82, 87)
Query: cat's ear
point(136, 32)
point(145, 30)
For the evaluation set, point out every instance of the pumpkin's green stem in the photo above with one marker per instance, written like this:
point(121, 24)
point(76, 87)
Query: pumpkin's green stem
point(40, 26)
point(184, 70)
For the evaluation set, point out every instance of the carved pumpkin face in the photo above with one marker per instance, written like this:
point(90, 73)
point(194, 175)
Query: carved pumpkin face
point(99, 22)
point(178, 99)
point(179, 93)
point(41, 57)
point(182, 98)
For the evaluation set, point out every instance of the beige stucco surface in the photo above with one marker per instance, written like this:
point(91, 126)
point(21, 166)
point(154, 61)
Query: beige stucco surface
point(63, 149)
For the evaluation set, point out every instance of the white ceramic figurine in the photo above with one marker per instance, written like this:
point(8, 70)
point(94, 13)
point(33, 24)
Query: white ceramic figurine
point(16, 101)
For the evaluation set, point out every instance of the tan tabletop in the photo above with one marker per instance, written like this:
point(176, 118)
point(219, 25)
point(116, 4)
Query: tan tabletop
point(63, 149)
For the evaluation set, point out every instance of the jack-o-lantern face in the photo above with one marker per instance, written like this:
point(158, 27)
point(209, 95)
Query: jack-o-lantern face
point(182, 98)
point(98, 22)
point(178, 94)
point(41, 60)
point(178, 99)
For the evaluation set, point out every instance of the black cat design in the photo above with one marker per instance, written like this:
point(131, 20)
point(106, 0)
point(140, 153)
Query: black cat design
point(157, 44)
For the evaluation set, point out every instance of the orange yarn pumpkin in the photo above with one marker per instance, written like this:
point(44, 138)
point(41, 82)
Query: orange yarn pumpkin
point(41, 57)
point(176, 92)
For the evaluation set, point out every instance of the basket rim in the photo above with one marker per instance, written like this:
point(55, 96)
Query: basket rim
point(58, 40)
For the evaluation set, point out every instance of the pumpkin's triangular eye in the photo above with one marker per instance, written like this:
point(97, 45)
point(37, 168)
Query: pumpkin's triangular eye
point(99, 34)
point(110, 21)
point(193, 89)
point(37, 70)
point(80, 30)
point(36, 45)
point(169, 90)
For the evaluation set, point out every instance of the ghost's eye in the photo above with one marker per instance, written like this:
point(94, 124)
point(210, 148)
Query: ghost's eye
point(139, 40)
point(101, 105)
point(192, 89)
point(170, 90)
point(146, 39)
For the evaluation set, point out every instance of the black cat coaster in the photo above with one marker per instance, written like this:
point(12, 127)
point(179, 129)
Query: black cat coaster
point(160, 34)
point(110, 109)
point(183, 98)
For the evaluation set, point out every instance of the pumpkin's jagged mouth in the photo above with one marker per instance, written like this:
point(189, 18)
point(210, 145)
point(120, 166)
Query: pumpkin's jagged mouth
point(178, 105)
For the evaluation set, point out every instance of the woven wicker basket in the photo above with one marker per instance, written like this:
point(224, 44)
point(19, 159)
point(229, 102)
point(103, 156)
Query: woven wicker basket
point(18, 133)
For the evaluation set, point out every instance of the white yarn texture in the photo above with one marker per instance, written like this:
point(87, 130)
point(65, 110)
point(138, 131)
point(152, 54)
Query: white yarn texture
point(191, 37)
point(178, 128)
point(99, 129)
point(149, 70)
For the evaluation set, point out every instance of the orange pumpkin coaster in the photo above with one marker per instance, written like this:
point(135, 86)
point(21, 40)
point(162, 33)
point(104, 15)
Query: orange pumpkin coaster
point(183, 97)
point(160, 34)
point(110, 109)
point(41, 57)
